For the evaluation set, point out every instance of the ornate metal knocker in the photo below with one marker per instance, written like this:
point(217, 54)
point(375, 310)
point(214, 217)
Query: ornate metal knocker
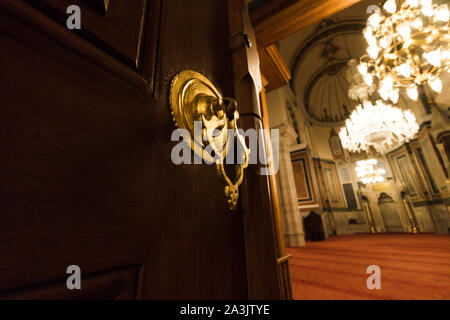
point(194, 98)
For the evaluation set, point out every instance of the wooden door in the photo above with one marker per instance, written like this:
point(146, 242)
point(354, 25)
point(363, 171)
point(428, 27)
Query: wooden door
point(86, 177)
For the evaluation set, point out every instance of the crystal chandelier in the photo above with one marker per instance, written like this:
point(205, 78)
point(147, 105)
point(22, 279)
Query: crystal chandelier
point(379, 125)
point(408, 45)
point(368, 173)
point(359, 88)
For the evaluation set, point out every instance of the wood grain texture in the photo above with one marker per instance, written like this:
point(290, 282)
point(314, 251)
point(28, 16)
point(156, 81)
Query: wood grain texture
point(86, 175)
point(274, 68)
point(195, 244)
point(73, 144)
point(119, 31)
point(281, 18)
point(261, 230)
point(46, 28)
point(272, 178)
point(282, 261)
point(116, 284)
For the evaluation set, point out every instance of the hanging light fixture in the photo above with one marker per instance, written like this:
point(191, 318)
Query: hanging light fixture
point(408, 45)
point(361, 84)
point(368, 173)
point(379, 125)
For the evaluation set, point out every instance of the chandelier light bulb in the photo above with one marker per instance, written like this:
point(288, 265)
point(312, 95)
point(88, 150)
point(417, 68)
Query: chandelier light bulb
point(405, 70)
point(385, 42)
point(434, 57)
point(372, 42)
point(384, 93)
point(373, 51)
point(436, 85)
point(368, 79)
point(362, 68)
point(388, 83)
point(374, 20)
point(368, 33)
point(368, 173)
point(408, 45)
point(404, 30)
point(390, 6)
point(380, 126)
point(394, 96)
point(412, 93)
point(417, 23)
point(445, 55)
point(427, 9)
point(441, 13)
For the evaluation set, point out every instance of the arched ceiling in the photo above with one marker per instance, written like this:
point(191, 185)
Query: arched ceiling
point(318, 57)
point(320, 71)
point(325, 96)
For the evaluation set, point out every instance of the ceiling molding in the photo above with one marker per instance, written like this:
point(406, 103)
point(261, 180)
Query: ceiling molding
point(327, 75)
point(279, 19)
point(330, 69)
point(338, 28)
point(274, 68)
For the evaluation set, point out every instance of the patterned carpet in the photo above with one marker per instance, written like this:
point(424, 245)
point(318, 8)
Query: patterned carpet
point(412, 267)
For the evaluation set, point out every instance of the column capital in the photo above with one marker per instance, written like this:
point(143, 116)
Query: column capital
point(288, 135)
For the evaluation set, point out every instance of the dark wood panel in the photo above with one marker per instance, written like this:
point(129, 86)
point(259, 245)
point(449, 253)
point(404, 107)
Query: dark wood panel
point(86, 172)
point(262, 241)
point(118, 284)
point(117, 26)
point(261, 247)
point(74, 168)
point(200, 252)
point(101, 5)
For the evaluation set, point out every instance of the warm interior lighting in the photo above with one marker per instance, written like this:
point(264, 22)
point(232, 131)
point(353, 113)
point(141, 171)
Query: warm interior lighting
point(390, 6)
point(368, 173)
point(380, 126)
point(408, 45)
point(412, 93)
point(436, 85)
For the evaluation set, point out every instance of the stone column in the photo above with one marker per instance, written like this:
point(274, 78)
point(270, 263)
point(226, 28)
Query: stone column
point(440, 123)
point(290, 214)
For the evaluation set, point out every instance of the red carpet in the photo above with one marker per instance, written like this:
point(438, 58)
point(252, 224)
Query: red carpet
point(412, 267)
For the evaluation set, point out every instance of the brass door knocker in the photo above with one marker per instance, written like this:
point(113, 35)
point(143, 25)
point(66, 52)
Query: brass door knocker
point(194, 98)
